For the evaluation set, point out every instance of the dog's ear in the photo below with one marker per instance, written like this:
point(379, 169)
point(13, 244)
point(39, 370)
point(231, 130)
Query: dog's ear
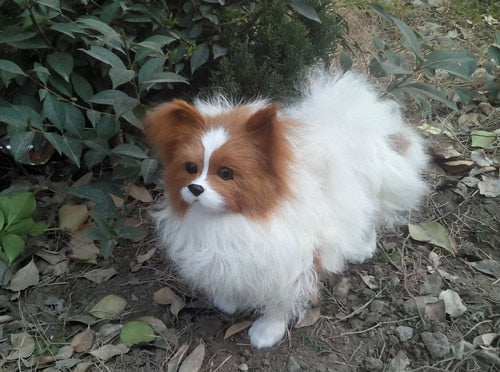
point(171, 123)
point(263, 127)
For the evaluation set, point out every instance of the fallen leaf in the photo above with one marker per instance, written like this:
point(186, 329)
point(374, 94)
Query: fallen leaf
point(484, 341)
point(165, 296)
point(82, 248)
point(480, 158)
point(25, 277)
point(483, 139)
point(84, 180)
point(194, 361)
point(452, 303)
point(50, 256)
point(109, 329)
point(435, 311)
point(237, 328)
point(434, 233)
point(146, 256)
point(100, 275)
point(86, 319)
point(109, 351)
point(488, 267)
point(158, 326)
point(136, 332)
point(470, 181)
point(83, 367)
point(458, 166)
point(117, 201)
point(65, 352)
point(489, 187)
point(71, 217)
point(23, 345)
point(444, 152)
point(469, 119)
point(370, 281)
point(308, 317)
point(135, 223)
point(109, 307)
point(140, 193)
point(434, 259)
point(431, 130)
point(173, 363)
point(83, 341)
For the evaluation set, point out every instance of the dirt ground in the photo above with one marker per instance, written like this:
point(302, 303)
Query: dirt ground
point(387, 314)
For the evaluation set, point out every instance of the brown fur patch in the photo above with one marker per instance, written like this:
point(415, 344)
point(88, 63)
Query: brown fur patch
point(399, 143)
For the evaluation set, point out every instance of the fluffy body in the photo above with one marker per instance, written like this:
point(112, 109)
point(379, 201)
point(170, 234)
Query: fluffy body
point(308, 186)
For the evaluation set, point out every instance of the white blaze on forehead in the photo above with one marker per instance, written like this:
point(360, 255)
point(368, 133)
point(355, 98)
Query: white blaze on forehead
point(211, 141)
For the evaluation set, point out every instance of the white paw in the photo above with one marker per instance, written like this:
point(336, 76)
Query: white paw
point(225, 305)
point(265, 332)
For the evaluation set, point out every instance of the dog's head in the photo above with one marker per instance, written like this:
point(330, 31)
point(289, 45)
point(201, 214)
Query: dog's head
point(233, 161)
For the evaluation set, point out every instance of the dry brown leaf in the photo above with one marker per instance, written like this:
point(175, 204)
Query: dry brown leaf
point(370, 281)
point(25, 277)
point(83, 341)
point(23, 345)
point(488, 267)
point(83, 367)
point(157, 325)
point(435, 311)
point(165, 296)
point(452, 303)
point(141, 258)
point(458, 166)
point(308, 317)
point(65, 352)
point(480, 158)
point(84, 180)
point(118, 202)
point(109, 307)
point(100, 275)
point(109, 351)
point(109, 329)
point(173, 363)
point(50, 256)
point(489, 187)
point(140, 193)
point(194, 361)
point(72, 217)
point(82, 248)
point(434, 233)
point(484, 341)
point(237, 328)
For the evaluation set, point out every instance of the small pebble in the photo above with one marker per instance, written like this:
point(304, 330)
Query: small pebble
point(404, 333)
point(243, 367)
point(374, 364)
point(292, 365)
point(436, 343)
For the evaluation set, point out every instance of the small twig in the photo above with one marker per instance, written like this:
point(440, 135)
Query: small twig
point(374, 327)
point(223, 362)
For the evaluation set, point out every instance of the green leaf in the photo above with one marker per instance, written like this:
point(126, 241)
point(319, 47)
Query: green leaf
point(136, 332)
point(199, 57)
point(107, 97)
point(109, 35)
point(70, 147)
point(99, 192)
point(408, 36)
point(54, 4)
point(15, 35)
point(54, 111)
point(165, 77)
point(148, 169)
point(345, 61)
point(128, 149)
point(2, 219)
point(74, 121)
point(148, 69)
point(107, 127)
point(458, 63)
point(107, 248)
point(494, 52)
point(483, 139)
point(21, 227)
point(303, 8)
point(60, 85)
point(120, 76)
point(428, 91)
point(41, 72)
point(82, 86)
point(21, 205)
point(11, 67)
point(61, 63)
point(12, 117)
point(20, 143)
point(219, 51)
point(13, 245)
point(68, 28)
point(105, 55)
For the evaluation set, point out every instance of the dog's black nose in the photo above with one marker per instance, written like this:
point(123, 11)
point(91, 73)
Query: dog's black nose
point(195, 189)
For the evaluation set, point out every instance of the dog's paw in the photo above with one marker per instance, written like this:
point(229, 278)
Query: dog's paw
point(265, 332)
point(225, 305)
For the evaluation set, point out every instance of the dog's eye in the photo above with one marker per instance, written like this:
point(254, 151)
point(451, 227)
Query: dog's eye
point(191, 168)
point(225, 173)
